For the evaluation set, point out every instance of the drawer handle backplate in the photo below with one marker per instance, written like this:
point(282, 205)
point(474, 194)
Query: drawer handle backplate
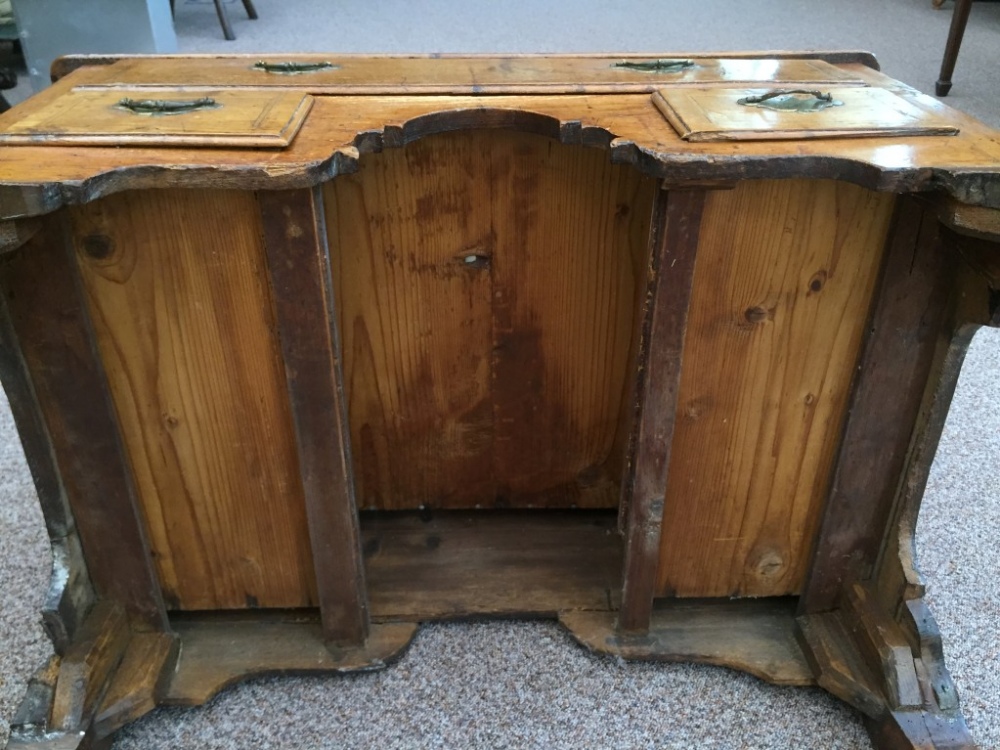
point(656, 66)
point(291, 68)
point(791, 100)
point(166, 106)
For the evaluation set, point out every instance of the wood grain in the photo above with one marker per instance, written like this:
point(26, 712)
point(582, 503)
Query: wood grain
point(177, 286)
point(486, 286)
point(349, 74)
point(218, 652)
point(15, 233)
point(95, 117)
point(299, 266)
point(33, 712)
point(74, 442)
point(138, 683)
point(837, 665)
point(907, 324)
point(66, 64)
point(490, 563)
point(775, 327)
point(883, 646)
point(339, 128)
point(757, 637)
point(28, 415)
point(919, 730)
point(673, 246)
point(89, 666)
point(716, 115)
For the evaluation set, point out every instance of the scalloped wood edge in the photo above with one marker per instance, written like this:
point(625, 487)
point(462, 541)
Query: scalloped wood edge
point(758, 637)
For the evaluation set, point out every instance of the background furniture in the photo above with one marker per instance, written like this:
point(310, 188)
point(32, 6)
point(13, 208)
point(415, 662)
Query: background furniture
point(51, 28)
point(220, 10)
point(959, 21)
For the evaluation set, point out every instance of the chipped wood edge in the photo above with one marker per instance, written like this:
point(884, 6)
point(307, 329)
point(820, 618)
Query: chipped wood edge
point(298, 262)
point(974, 221)
point(690, 637)
point(910, 306)
point(88, 666)
point(14, 233)
point(673, 246)
point(975, 188)
point(68, 424)
point(70, 594)
point(888, 660)
point(218, 656)
point(139, 682)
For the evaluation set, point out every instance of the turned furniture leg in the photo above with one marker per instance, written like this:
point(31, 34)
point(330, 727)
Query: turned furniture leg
point(955, 34)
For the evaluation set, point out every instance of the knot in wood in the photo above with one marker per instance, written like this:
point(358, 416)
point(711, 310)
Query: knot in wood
point(98, 246)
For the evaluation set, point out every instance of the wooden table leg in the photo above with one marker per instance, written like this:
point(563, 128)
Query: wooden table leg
point(958, 23)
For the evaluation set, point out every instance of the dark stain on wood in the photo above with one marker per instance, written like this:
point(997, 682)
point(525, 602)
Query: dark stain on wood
point(485, 350)
point(218, 651)
point(919, 730)
point(51, 323)
point(89, 666)
point(299, 267)
point(26, 410)
point(139, 682)
point(461, 564)
point(758, 637)
point(908, 317)
point(673, 246)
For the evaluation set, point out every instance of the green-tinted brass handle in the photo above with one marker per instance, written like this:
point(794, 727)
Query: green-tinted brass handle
point(786, 100)
point(166, 106)
point(656, 66)
point(291, 68)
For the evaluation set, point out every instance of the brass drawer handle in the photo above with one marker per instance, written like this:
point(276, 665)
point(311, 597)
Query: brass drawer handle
point(291, 68)
point(656, 66)
point(166, 106)
point(788, 100)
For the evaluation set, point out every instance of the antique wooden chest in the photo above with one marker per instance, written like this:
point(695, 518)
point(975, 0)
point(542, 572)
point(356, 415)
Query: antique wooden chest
point(306, 351)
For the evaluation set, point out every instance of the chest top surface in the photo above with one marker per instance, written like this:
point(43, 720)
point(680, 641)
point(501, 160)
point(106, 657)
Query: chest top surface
point(298, 120)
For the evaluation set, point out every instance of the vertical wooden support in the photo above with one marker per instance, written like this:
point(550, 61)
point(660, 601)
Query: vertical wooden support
point(298, 260)
point(70, 594)
point(910, 311)
point(78, 430)
point(673, 247)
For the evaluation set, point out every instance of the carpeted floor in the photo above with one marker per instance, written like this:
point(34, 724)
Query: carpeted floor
point(525, 684)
